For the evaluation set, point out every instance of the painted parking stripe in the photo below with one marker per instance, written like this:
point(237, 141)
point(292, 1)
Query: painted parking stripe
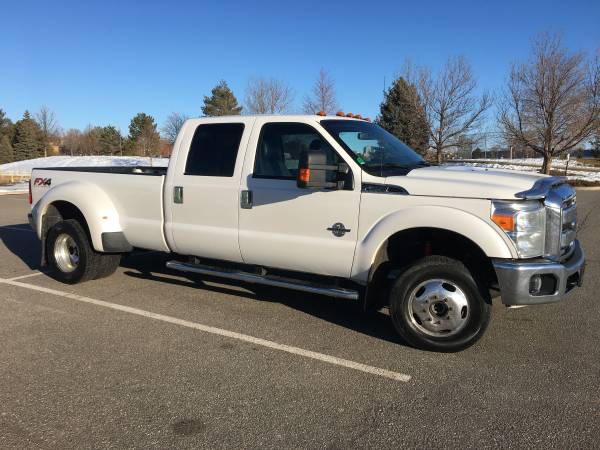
point(20, 277)
point(220, 332)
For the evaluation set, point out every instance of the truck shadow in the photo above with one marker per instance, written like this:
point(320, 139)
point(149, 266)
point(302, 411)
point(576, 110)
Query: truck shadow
point(348, 314)
point(22, 242)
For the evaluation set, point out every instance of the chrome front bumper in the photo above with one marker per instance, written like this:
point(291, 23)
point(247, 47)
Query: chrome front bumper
point(514, 278)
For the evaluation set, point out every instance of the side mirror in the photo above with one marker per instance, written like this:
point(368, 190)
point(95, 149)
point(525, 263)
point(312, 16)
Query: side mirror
point(313, 169)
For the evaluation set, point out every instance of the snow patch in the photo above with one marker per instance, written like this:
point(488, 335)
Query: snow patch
point(17, 188)
point(25, 167)
point(577, 170)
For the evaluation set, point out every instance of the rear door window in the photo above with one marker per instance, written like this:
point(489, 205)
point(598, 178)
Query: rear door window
point(214, 150)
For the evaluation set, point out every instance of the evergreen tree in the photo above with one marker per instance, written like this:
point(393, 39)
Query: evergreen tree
point(138, 123)
point(143, 136)
point(222, 102)
point(403, 115)
point(6, 150)
point(26, 140)
point(110, 141)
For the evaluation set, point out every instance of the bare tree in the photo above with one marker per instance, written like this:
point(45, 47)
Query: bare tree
point(172, 125)
point(322, 97)
point(46, 119)
point(90, 140)
point(552, 101)
point(268, 96)
point(72, 142)
point(452, 106)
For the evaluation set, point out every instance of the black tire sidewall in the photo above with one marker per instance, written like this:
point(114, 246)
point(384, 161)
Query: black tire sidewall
point(452, 271)
point(73, 229)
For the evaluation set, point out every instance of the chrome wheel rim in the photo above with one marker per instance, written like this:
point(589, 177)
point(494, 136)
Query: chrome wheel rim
point(66, 253)
point(438, 308)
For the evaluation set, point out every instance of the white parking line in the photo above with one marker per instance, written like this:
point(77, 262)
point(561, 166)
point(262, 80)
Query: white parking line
point(26, 276)
point(220, 332)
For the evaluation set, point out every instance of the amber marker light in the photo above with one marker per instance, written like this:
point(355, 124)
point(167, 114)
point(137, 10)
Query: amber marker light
point(304, 175)
point(504, 221)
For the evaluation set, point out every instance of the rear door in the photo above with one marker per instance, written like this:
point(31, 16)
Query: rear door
point(287, 227)
point(202, 188)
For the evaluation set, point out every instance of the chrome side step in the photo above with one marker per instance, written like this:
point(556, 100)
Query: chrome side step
point(267, 280)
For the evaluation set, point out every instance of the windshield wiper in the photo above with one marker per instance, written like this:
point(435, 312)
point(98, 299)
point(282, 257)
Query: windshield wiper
point(386, 165)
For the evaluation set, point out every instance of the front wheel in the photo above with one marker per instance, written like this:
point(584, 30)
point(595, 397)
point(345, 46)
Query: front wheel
point(71, 256)
point(436, 304)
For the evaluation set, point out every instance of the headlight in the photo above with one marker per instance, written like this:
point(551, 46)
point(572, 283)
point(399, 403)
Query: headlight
point(524, 223)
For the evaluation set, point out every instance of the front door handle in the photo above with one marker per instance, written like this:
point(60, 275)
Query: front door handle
point(246, 199)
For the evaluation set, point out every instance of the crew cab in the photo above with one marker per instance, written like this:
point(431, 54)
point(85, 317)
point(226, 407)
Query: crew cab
point(326, 205)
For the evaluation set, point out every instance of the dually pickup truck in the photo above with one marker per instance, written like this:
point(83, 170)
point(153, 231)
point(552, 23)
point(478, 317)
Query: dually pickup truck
point(326, 205)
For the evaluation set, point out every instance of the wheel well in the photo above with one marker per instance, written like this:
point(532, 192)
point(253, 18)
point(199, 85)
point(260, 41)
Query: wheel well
point(56, 212)
point(407, 246)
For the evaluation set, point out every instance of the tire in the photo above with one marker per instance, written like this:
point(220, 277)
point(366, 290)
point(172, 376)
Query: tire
point(436, 304)
point(71, 257)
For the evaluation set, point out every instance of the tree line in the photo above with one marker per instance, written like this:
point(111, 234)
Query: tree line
point(40, 135)
point(549, 105)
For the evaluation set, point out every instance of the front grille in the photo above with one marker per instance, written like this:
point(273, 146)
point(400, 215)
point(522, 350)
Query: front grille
point(561, 221)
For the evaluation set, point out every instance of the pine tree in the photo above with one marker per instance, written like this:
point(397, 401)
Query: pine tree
point(26, 140)
point(143, 136)
point(6, 150)
point(110, 141)
point(222, 102)
point(403, 115)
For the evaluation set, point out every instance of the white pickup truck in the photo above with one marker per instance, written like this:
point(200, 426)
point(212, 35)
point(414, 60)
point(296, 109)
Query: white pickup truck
point(327, 205)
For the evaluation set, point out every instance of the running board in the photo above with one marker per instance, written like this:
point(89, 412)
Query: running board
point(267, 280)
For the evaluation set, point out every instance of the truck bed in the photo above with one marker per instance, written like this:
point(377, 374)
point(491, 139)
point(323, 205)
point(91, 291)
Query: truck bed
point(138, 201)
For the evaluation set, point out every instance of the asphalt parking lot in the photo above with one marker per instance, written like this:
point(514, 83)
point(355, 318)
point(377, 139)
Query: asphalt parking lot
point(150, 358)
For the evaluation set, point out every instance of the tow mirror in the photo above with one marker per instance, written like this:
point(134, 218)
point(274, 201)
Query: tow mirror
point(313, 170)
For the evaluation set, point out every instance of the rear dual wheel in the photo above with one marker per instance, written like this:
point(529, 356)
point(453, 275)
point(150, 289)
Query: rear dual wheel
point(436, 304)
point(71, 256)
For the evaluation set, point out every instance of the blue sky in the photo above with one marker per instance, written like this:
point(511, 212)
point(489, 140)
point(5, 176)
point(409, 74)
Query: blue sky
point(102, 62)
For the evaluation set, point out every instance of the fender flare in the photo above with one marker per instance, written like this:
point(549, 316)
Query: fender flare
point(96, 206)
point(490, 240)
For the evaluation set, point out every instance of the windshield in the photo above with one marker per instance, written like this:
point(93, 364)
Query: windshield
point(377, 151)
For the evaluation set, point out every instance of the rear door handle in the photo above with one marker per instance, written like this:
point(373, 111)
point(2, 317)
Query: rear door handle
point(246, 199)
point(178, 194)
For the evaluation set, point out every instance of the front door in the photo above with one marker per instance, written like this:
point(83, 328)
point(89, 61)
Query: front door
point(287, 227)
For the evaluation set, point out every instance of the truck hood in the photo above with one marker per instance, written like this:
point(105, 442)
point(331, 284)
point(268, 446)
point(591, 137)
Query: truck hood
point(465, 182)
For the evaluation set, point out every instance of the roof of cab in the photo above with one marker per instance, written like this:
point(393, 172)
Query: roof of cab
point(315, 117)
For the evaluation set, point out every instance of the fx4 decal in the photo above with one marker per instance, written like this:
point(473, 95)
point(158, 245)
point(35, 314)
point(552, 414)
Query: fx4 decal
point(42, 182)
